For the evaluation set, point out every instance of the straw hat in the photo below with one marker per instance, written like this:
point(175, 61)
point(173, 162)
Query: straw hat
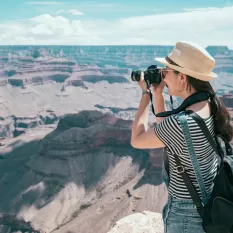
point(192, 60)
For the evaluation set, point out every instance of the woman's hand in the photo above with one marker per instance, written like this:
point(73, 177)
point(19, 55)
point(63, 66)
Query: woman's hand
point(142, 83)
point(158, 88)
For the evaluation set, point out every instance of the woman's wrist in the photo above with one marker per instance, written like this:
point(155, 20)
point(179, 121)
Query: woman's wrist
point(146, 92)
point(158, 93)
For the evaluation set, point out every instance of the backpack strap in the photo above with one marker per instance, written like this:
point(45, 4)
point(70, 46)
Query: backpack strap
point(215, 144)
point(206, 131)
point(195, 197)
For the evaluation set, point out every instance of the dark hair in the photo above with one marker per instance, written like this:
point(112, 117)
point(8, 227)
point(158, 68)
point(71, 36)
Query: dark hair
point(222, 118)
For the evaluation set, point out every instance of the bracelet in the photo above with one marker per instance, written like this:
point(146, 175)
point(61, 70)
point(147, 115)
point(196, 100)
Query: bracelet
point(146, 92)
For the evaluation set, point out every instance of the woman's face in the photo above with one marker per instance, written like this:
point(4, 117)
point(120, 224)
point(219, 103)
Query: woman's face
point(175, 82)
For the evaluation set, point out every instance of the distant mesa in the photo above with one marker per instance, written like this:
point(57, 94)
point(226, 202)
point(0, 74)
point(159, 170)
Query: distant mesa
point(38, 52)
point(93, 74)
point(10, 73)
point(219, 50)
point(116, 71)
point(61, 61)
point(109, 78)
point(60, 74)
point(227, 69)
point(76, 82)
point(40, 78)
point(20, 80)
point(28, 64)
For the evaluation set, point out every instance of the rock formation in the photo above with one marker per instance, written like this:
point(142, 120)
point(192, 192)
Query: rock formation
point(145, 221)
point(82, 177)
point(41, 84)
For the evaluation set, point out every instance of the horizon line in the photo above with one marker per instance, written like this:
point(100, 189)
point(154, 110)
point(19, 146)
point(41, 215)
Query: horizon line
point(108, 45)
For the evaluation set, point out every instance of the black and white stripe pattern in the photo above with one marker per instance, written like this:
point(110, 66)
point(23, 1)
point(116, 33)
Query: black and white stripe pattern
point(170, 132)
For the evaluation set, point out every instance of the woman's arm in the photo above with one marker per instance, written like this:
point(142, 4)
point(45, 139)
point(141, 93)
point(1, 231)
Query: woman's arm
point(140, 123)
point(159, 104)
point(140, 136)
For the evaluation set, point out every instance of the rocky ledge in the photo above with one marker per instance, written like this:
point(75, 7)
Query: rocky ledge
point(146, 221)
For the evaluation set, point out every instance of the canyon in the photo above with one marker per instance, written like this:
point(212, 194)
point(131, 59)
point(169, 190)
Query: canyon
point(66, 112)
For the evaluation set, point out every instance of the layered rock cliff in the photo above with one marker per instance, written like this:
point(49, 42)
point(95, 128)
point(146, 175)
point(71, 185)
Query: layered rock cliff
point(39, 84)
point(82, 177)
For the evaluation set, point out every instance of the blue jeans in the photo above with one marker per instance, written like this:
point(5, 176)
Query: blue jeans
point(181, 216)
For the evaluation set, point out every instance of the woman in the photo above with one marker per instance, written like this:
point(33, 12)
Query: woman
point(188, 70)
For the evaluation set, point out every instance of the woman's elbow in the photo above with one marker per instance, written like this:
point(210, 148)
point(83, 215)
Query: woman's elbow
point(134, 144)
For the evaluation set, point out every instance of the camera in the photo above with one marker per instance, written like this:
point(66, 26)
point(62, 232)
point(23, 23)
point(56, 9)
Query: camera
point(153, 75)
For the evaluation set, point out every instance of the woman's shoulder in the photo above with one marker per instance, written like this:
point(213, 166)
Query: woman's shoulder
point(171, 122)
point(209, 121)
point(190, 118)
point(170, 132)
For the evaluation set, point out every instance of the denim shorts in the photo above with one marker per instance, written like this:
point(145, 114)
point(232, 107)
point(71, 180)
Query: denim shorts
point(181, 216)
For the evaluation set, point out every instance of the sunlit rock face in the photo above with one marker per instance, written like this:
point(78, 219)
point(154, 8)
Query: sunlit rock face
point(149, 222)
point(84, 171)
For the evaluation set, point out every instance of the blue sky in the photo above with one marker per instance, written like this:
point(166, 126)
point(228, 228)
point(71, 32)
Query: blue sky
point(105, 9)
point(116, 22)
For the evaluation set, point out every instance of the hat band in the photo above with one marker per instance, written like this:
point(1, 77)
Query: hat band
point(169, 60)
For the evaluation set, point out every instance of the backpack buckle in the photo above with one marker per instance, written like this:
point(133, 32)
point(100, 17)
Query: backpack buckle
point(200, 207)
point(180, 169)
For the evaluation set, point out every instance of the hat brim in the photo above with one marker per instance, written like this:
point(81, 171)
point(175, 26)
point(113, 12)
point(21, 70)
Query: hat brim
point(203, 77)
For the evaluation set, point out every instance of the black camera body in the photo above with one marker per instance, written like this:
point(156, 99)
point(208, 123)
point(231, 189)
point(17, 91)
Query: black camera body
point(152, 75)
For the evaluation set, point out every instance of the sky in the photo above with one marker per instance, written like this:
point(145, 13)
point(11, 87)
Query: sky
point(116, 22)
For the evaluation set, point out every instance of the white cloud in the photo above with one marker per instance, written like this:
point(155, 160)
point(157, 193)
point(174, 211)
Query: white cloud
point(75, 12)
point(40, 29)
point(45, 3)
point(201, 9)
point(57, 26)
point(59, 12)
point(198, 21)
point(207, 26)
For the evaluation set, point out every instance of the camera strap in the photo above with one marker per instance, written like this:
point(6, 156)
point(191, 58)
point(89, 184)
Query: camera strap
point(192, 99)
